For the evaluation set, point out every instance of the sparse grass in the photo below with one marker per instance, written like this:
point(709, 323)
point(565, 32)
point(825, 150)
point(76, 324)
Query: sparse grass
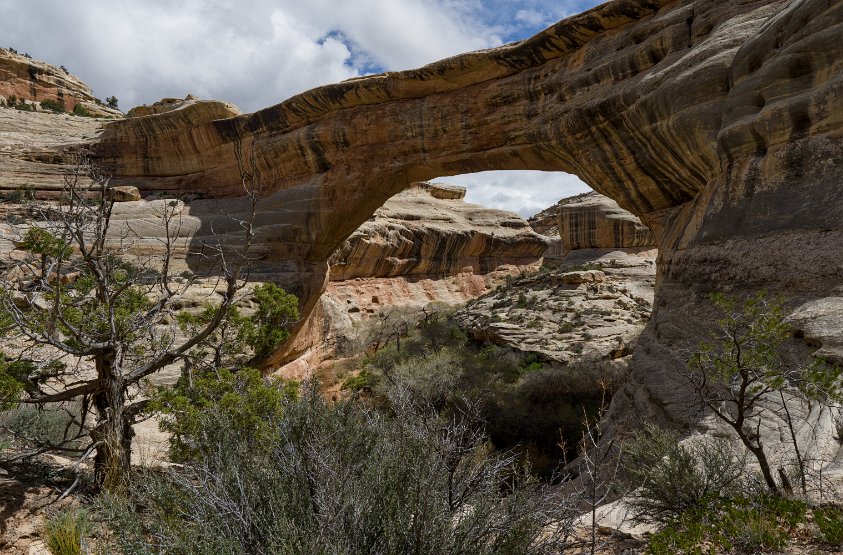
point(65, 532)
point(829, 522)
point(52, 424)
point(742, 525)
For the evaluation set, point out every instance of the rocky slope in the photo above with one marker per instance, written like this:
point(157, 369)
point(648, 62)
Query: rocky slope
point(34, 81)
point(716, 123)
point(593, 306)
point(591, 303)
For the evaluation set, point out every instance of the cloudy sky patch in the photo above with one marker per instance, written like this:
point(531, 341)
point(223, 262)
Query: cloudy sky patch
point(257, 53)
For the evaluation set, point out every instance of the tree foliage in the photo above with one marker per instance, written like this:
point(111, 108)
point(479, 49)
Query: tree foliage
point(746, 367)
point(85, 321)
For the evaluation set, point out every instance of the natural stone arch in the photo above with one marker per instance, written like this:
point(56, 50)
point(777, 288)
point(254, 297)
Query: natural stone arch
point(718, 123)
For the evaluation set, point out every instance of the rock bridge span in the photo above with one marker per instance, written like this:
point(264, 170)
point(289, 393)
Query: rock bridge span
point(720, 124)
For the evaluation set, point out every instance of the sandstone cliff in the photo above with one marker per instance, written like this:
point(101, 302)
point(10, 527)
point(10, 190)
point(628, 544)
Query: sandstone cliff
point(428, 230)
point(716, 123)
point(34, 81)
point(36, 149)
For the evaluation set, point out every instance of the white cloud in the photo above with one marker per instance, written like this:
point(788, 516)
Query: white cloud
point(254, 53)
point(525, 192)
point(530, 17)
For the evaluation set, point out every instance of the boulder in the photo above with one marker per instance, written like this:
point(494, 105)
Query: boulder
point(124, 193)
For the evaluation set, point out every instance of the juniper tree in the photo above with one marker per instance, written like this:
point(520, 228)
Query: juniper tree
point(84, 322)
point(746, 368)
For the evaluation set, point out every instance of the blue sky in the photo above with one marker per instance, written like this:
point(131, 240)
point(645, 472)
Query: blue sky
point(256, 53)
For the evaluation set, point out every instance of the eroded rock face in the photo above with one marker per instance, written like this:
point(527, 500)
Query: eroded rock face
point(593, 221)
point(716, 123)
point(35, 81)
point(425, 246)
point(429, 231)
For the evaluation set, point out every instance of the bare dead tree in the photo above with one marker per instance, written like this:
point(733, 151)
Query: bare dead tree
point(84, 322)
point(598, 469)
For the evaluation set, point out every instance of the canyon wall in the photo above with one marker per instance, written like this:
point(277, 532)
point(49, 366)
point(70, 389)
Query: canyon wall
point(717, 123)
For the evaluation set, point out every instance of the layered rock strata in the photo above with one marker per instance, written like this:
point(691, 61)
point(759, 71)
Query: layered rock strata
point(428, 230)
point(38, 149)
point(593, 221)
point(716, 123)
point(34, 81)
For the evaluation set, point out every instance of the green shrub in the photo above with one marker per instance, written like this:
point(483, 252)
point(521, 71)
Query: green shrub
point(526, 404)
point(338, 478)
point(670, 479)
point(65, 532)
point(277, 310)
point(829, 521)
point(52, 105)
point(80, 110)
point(24, 194)
point(203, 405)
point(363, 380)
point(737, 525)
point(13, 379)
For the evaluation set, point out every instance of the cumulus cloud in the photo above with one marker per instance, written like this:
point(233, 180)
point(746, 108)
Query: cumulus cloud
point(254, 53)
point(257, 53)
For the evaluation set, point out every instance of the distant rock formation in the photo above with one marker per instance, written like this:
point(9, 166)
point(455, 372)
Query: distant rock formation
point(428, 230)
point(590, 221)
point(594, 221)
point(34, 81)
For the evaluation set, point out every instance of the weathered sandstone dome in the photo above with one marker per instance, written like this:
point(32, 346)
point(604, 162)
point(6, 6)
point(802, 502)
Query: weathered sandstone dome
point(428, 230)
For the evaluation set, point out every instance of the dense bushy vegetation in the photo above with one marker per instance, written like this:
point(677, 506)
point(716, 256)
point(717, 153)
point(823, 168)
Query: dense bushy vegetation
point(536, 407)
point(268, 468)
point(52, 105)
